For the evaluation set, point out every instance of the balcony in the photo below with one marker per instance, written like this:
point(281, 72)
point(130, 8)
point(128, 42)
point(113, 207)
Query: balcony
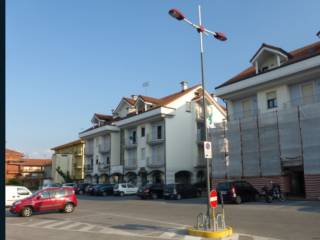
point(88, 168)
point(153, 140)
point(77, 165)
point(312, 99)
point(104, 148)
point(103, 167)
point(155, 163)
point(78, 154)
point(130, 164)
point(89, 151)
point(130, 144)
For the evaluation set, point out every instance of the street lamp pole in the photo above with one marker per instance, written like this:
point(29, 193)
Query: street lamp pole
point(220, 36)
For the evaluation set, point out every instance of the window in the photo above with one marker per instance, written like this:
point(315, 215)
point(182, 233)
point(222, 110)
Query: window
point(133, 137)
point(22, 191)
point(159, 132)
point(143, 132)
point(272, 100)
point(188, 106)
point(143, 153)
point(44, 194)
point(108, 160)
point(246, 108)
point(307, 92)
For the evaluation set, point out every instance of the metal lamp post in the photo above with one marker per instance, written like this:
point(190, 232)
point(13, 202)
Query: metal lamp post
point(175, 13)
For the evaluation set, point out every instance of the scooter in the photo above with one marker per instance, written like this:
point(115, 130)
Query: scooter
point(273, 194)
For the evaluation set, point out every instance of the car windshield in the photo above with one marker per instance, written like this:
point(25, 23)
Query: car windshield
point(223, 186)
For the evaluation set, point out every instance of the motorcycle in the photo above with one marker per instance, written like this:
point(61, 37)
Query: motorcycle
point(273, 193)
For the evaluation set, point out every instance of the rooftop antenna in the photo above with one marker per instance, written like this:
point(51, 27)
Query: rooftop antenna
point(145, 85)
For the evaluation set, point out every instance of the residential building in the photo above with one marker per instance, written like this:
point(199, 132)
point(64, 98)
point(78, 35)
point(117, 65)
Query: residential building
point(69, 157)
point(102, 151)
point(34, 171)
point(159, 139)
point(273, 127)
point(13, 161)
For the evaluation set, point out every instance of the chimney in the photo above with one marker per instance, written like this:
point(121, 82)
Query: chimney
point(134, 97)
point(184, 85)
point(214, 97)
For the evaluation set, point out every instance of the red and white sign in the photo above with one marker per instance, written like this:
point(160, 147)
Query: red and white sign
point(213, 199)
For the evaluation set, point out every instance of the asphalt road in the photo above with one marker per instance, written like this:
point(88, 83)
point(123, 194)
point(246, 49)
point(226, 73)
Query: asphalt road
point(131, 218)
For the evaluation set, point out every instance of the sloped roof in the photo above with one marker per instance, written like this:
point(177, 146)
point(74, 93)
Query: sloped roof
point(69, 144)
point(271, 47)
point(9, 151)
point(130, 100)
point(103, 117)
point(297, 55)
point(36, 162)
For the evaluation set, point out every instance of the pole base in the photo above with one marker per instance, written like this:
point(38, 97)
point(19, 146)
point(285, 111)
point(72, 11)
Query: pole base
point(227, 232)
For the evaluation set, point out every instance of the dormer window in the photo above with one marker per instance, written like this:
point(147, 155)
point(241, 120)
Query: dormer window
point(268, 57)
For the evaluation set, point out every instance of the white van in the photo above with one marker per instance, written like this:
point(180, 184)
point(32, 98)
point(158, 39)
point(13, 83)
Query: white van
point(14, 193)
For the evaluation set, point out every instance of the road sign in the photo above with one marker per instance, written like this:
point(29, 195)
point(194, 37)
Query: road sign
point(213, 199)
point(207, 149)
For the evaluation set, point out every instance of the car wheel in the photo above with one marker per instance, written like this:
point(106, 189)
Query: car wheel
point(104, 194)
point(178, 197)
point(26, 212)
point(238, 200)
point(121, 194)
point(154, 196)
point(68, 208)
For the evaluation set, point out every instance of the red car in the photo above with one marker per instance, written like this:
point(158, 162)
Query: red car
point(62, 199)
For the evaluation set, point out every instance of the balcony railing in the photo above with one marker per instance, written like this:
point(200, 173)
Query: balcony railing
point(130, 164)
point(153, 140)
point(302, 101)
point(155, 163)
point(77, 165)
point(89, 151)
point(103, 167)
point(88, 168)
point(130, 144)
point(104, 148)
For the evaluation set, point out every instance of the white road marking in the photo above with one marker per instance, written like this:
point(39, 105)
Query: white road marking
point(167, 235)
point(42, 223)
point(86, 228)
point(192, 238)
point(70, 226)
point(53, 225)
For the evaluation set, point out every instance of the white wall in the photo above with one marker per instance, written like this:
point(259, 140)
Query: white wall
point(283, 97)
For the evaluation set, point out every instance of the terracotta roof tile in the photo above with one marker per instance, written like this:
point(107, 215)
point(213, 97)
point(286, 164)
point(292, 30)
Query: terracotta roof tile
point(130, 100)
point(36, 162)
point(299, 54)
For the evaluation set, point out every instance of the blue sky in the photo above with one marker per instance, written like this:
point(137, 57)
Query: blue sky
point(66, 60)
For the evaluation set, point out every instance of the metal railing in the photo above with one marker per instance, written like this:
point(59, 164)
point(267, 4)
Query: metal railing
point(155, 163)
point(153, 140)
point(130, 164)
point(104, 148)
point(103, 167)
point(89, 151)
point(129, 144)
point(88, 168)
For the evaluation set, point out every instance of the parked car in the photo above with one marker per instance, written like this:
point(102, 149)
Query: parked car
point(178, 191)
point(124, 189)
point(14, 193)
point(104, 190)
point(88, 188)
point(152, 191)
point(237, 191)
point(82, 188)
point(73, 185)
point(50, 185)
point(62, 199)
point(92, 189)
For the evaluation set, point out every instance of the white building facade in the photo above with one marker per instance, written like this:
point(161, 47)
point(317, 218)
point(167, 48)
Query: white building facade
point(160, 140)
point(273, 128)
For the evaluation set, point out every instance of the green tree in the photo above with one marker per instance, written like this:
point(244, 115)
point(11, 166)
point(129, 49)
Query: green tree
point(66, 176)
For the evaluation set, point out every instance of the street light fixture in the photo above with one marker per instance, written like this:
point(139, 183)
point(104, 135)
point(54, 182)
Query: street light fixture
point(175, 13)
